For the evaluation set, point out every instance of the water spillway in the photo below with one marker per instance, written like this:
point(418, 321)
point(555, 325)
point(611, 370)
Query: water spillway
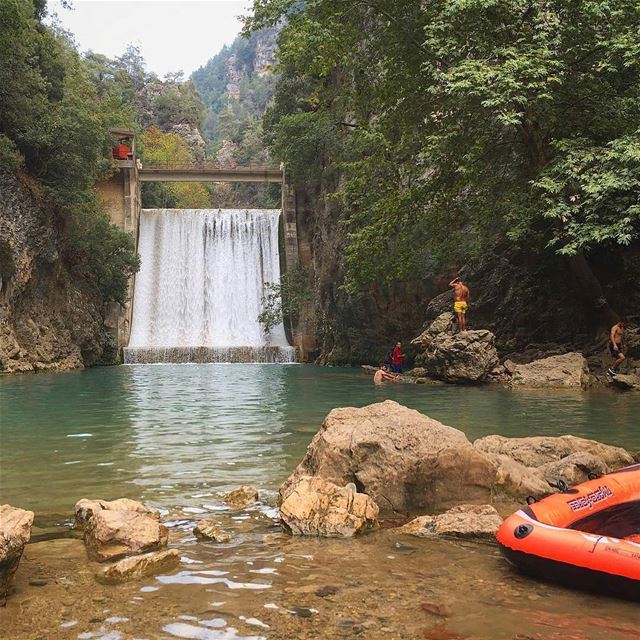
point(200, 287)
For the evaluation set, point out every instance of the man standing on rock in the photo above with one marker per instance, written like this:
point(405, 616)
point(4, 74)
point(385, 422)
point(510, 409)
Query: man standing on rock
point(461, 302)
point(616, 345)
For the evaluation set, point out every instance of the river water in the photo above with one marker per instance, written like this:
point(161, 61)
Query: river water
point(178, 436)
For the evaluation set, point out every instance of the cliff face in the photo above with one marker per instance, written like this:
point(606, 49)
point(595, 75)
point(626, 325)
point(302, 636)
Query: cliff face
point(49, 317)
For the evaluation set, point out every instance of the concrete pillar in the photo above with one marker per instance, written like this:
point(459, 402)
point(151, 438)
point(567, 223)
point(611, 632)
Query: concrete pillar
point(122, 199)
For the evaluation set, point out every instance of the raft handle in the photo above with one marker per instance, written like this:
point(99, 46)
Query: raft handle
point(562, 485)
point(531, 500)
point(522, 531)
point(592, 475)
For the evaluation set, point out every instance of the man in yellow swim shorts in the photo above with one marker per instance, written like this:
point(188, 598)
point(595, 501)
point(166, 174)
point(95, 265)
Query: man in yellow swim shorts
point(461, 302)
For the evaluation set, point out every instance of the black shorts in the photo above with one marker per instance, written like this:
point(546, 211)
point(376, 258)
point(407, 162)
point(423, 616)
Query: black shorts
point(613, 351)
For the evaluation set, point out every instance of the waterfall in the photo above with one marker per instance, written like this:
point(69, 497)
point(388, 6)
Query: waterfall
point(199, 290)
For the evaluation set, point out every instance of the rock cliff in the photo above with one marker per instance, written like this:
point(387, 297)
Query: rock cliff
point(50, 318)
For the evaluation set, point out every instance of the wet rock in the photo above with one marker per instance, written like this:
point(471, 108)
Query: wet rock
point(626, 382)
point(540, 450)
point(109, 535)
point(468, 356)
point(37, 582)
point(137, 567)
point(406, 461)
point(328, 590)
point(316, 507)
point(15, 532)
point(85, 508)
point(418, 372)
point(479, 521)
point(569, 371)
point(442, 324)
point(242, 496)
point(209, 530)
point(439, 609)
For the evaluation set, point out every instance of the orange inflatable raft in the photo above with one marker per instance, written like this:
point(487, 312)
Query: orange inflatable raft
point(587, 536)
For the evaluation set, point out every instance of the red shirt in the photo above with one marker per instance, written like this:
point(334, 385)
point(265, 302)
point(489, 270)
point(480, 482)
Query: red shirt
point(397, 356)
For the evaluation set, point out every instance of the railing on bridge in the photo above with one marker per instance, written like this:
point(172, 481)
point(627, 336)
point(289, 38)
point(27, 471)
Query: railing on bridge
point(210, 173)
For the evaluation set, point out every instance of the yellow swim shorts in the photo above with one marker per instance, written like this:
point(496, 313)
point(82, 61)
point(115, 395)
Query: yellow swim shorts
point(460, 306)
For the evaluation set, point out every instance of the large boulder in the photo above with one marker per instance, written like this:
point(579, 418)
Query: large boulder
point(479, 521)
point(569, 371)
point(137, 567)
point(442, 324)
point(468, 356)
point(626, 382)
point(316, 507)
point(86, 508)
point(406, 461)
point(110, 535)
point(15, 532)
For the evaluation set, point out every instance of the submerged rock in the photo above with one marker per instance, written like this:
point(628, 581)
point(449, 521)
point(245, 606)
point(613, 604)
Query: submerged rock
point(464, 521)
point(569, 371)
point(209, 530)
point(316, 507)
point(468, 356)
point(406, 461)
point(137, 567)
point(86, 508)
point(242, 496)
point(15, 532)
point(109, 535)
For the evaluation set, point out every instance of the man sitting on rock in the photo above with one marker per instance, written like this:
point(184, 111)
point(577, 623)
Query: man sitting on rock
point(616, 346)
point(461, 302)
point(382, 375)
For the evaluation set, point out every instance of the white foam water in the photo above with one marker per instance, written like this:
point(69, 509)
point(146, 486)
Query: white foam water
point(200, 287)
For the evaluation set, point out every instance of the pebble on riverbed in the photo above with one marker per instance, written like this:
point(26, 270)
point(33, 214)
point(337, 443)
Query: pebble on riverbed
point(209, 530)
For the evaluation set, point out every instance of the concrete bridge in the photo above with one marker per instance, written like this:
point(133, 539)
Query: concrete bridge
point(121, 193)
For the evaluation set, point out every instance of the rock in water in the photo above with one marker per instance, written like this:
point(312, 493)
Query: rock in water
point(316, 507)
point(569, 370)
point(138, 567)
point(468, 356)
point(406, 461)
point(109, 535)
point(626, 382)
point(15, 532)
point(242, 496)
point(209, 530)
point(85, 508)
point(480, 521)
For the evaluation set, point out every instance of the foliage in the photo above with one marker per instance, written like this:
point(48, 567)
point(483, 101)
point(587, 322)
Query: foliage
point(284, 299)
point(55, 120)
point(163, 148)
point(453, 124)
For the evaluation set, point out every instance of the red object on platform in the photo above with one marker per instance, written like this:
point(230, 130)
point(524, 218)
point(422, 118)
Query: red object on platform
point(121, 152)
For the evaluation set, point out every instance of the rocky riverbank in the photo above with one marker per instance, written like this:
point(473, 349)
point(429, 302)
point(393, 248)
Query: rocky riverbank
point(471, 357)
point(420, 495)
point(50, 317)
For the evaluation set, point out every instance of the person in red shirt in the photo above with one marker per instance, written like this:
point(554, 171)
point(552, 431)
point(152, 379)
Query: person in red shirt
point(397, 358)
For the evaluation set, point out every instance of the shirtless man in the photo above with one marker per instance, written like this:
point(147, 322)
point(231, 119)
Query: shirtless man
point(382, 375)
point(461, 301)
point(616, 345)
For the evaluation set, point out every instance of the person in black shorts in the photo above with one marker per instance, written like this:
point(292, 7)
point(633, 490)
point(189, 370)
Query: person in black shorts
point(616, 346)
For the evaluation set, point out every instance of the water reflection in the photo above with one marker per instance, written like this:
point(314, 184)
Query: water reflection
point(179, 435)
